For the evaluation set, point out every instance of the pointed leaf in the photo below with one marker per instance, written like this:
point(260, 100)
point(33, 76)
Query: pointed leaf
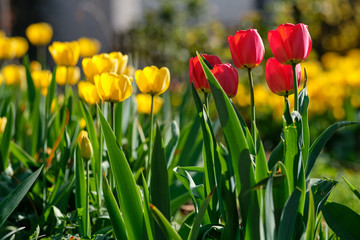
point(5, 141)
point(352, 188)
point(311, 221)
point(11, 201)
point(164, 224)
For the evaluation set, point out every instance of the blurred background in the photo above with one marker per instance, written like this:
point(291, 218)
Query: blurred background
point(169, 32)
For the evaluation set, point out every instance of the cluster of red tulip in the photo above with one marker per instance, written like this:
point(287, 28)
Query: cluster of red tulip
point(290, 45)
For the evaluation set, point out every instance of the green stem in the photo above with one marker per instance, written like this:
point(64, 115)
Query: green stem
point(41, 56)
point(98, 178)
point(253, 122)
point(151, 135)
point(112, 109)
point(296, 100)
point(119, 108)
point(66, 89)
point(87, 216)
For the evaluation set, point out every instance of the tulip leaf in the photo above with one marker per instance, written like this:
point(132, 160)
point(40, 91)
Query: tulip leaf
point(261, 170)
point(342, 220)
point(270, 228)
point(304, 105)
point(277, 154)
point(126, 188)
point(173, 142)
point(22, 155)
point(12, 200)
point(321, 189)
point(288, 216)
point(80, 191)
point(35, 123)
point(31, 90)
point(209, 146)
point(352, 188)
point(236, 142)
point(311, 221)
point(149, 221)
point(186, 226)
point(116, 219)
point(159, 185)
point(320, 142)
point(164, 224)
point(51, 92)
point(199, 217)
point(5, 141)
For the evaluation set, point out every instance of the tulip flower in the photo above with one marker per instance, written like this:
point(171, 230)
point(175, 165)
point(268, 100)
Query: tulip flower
point(21, 46)
point(227, 76)
point(39, 33)
point(88, 92)
point(247, 48)
point(70, 75)
point(290, 44)
point(42, 80)
point(112, 87)
point(7, 48)
point(153, 80)
point(85, 145)
point(122, 61)
point(144, 103)
point(197, 75)
point(279, 77)
point(35, 66)
point(13, 74)
point(89, 46)
point(65, 53)
point(3, 121)
point(98, 64)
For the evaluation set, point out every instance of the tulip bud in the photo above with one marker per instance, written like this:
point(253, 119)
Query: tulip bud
point(289, 43)
point(247, 48)
point(85, 145)
point(196, 72)
point(227, 76)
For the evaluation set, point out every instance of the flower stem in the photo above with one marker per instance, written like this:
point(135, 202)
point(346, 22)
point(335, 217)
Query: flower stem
point(151, 135)
point(66, 88)
point(112, 109)
point(87, 216)
point(253, 122)
point(296, 100)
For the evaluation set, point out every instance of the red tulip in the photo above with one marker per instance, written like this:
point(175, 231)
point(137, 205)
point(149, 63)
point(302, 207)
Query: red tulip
point(279, 77)
point(247, 48)
point(290, 43)
point(227, 76)
point(197, 75)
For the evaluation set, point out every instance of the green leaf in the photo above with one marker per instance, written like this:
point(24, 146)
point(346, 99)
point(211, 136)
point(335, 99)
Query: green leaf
point(270, 231)
point(342, 220)
point(12, 200)
point(311, 221)
point(209, 144)
point(288, 216)
point(304, 105)
point(172, 144)
point(185, 227)
point(277, 154)
point(159, 185)
point(149, 221)
point(352, 188)
point(51, 93)
point(35, 123)
point(30, 84)
point(5, 141)
point(261, 170)
point(116, 219)
point(320, 142)
point(321, 189)
point(126, 188)
point(22, 155)
point(80, 191)
point(199, 217)
point(236, 142)
point(164, 224)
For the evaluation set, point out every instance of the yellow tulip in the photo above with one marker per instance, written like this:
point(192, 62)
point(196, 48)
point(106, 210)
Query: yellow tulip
point(144, 103)
point(35, 66)
point(39, 33)
point(122, 61)
point(89, 46)
point(152, 80)
point(98, 64)
point(21, 46)
point(42, 80)
point(71, 75)
point(82, 134)
point(88, 92)
point(65, 53)
point(7, 48)
point(13, 74)
point(3, 121)
point(112, 87)
point(85, 146)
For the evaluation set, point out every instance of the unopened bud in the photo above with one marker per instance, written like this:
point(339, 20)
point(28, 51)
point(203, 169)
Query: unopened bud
point(3, 121)
point(85, 145)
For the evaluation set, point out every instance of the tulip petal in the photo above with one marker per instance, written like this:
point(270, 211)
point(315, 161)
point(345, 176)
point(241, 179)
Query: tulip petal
point(277, 46)
point(253, 49)
point(234, 52)
point(300, 41)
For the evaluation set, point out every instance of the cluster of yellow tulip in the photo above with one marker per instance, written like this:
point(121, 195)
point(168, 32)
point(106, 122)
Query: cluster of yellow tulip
point(329, 88)
point(109, 77)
